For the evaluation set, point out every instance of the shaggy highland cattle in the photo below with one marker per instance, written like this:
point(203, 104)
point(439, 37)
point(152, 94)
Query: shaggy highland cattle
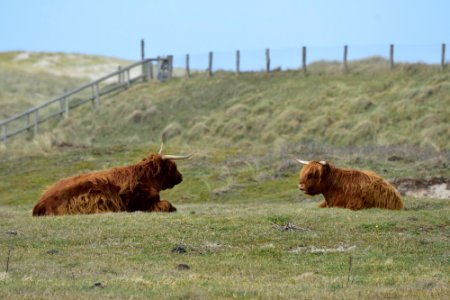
point(347, 188)
point(130, 188)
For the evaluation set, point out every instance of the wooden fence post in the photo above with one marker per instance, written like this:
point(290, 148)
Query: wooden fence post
point(345, 58)
point(64, 105)
point(188, 68)
point(238, 62)
point(4, 133)
point(158, 67)
point(391, 56)
point(36, 122)
point(267, 60)
point(96, 94)
point(119, 76)
point(210, 64)
point(144, 73)
point(28, 122)
point(443, 57)
point(150, 69)
point(304, 59)
point(170, 66)
point(93, 95)
point(61, 104)
point(66, 109)
point(97, 100)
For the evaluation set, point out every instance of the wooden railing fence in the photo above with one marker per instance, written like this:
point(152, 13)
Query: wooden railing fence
point(147, 69)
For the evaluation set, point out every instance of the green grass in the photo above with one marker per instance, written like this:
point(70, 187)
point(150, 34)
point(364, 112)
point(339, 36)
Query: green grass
point(231, 208)
point(239, 190)
point(232, 250)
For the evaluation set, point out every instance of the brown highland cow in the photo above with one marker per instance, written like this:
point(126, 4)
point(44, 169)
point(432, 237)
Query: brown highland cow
point(347, 188)
point(130, 188)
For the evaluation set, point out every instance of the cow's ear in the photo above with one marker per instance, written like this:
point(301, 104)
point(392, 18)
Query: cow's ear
point(325, 165)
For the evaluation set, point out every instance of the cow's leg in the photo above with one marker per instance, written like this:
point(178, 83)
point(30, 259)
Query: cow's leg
point(357, 203)
point(323, 204)
point(162, 206)
point(354, 207)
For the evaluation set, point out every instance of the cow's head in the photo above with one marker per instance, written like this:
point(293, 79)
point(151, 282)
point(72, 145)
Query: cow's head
point(166, 169)
point(313, 176)
point(169, 174)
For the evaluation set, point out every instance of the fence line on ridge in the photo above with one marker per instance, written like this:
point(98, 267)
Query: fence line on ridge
point(268, 60)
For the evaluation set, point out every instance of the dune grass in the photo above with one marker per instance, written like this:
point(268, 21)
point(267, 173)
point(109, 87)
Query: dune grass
point(242, 229)
point(403, 107)
point(28, 79)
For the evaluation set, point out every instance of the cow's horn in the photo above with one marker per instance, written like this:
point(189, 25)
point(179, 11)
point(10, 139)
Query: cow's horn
point(303, 162)
point(160, 149)
point(323, 162)
point(176, 157)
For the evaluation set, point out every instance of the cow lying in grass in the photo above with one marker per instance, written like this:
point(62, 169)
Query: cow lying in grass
point(130, 188)
point(347, 188)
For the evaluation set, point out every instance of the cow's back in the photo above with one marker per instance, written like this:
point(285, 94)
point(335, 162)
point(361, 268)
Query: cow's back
point(356, 190)
point(381, 194)
point(57, 199)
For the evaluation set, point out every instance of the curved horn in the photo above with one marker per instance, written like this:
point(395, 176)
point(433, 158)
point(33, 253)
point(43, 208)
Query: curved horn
point(303, 162)
point(323, 162)
point(160, 149)
point(176, 157)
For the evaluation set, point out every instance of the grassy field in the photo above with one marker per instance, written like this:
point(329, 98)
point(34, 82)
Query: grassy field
point(268, 249)
point(242, 229)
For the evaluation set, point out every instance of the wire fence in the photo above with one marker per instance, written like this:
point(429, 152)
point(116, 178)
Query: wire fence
point(293, 58)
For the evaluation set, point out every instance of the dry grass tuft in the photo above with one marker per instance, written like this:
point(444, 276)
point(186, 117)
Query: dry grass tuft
point(170, 131)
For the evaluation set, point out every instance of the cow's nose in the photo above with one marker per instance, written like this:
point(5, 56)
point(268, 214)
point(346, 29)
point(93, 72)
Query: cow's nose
point(301, 186)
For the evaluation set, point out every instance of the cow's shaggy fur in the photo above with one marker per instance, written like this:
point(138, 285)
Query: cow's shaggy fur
point(348, 188)
point(130, 188)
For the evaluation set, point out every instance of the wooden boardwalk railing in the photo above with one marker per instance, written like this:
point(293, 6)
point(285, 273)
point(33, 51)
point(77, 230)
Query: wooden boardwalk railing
point(91, 92)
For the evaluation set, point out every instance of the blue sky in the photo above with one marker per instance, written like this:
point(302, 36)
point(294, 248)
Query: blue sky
point(115, 28)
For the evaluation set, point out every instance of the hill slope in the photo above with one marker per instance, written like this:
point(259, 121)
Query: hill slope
point(406, 107)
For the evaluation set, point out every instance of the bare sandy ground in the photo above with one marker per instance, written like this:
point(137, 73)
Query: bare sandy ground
point(436, 187)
